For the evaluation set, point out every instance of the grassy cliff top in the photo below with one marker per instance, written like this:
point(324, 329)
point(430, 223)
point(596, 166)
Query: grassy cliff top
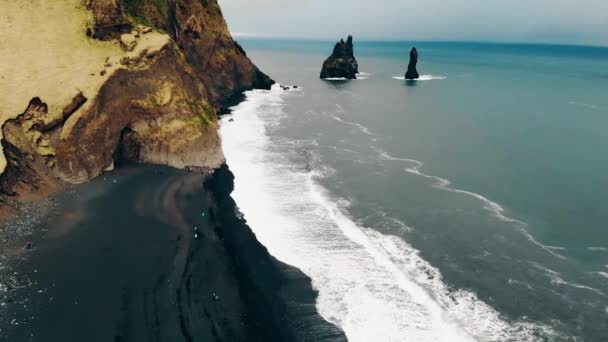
point(46, 53)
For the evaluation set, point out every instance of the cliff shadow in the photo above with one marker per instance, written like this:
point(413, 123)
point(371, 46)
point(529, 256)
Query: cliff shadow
point(160, 255)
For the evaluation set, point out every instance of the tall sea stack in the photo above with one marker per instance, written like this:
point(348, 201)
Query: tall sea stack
point(342, 62)
point(412, 73)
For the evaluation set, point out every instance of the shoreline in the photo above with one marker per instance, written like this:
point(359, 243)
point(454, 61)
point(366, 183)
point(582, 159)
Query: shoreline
point(120, 261)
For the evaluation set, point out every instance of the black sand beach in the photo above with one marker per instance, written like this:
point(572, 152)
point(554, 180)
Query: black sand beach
point(120, 259)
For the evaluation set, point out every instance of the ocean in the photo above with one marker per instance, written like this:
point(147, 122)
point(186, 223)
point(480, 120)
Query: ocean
point(466, 206)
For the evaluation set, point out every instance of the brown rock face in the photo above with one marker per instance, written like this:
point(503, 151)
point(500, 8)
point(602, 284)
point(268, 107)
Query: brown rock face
point(161, 114)
point(30, 170)
point(214, 55)
point(109, 21)
point(193, 28)
point(157, 105)
point(201, 32)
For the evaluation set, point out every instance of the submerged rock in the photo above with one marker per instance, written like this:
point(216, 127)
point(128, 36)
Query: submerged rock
point(342, 62)
point(412, 73)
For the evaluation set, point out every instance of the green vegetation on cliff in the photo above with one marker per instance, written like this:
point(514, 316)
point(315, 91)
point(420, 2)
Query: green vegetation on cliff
point(146, 12)
point(123, 87)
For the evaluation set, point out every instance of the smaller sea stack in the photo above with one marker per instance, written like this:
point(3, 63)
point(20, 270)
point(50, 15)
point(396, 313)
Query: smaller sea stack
point(342, 62)
point(412, 73)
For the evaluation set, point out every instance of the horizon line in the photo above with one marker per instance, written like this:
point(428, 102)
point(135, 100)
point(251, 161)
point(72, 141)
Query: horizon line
point(239, 35)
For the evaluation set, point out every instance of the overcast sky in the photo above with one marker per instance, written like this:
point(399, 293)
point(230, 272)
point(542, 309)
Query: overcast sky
point(551, 21)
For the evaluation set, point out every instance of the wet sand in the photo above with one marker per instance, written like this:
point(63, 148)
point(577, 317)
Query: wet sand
point(120, 259)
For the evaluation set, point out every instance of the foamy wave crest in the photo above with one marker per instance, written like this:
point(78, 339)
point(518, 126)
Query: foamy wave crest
point(557, 279)
point(362, 128)
point(363, 75)
point(583, 104)
point(360, 76)
point(375, 287)
point(444, 184)
point(489, 205)
point(422, 78)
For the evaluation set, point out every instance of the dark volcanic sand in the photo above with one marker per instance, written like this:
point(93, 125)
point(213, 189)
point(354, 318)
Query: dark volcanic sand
point(120, 262)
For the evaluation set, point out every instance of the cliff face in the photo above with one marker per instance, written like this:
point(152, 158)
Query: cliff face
point(134, 80)
point(199, 29)
point(342, 62)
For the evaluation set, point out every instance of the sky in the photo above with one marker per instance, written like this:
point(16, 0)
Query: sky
point(583, 22)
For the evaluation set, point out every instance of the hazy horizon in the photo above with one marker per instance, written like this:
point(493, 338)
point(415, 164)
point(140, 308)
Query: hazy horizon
point(534, 21)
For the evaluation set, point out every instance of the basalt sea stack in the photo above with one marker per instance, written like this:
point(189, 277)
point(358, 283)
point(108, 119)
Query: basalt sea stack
point(342, 62)
point(412, 73)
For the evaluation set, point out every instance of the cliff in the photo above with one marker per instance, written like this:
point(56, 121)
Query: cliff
point(99, 82)
point(198, 28)
point(342, 62)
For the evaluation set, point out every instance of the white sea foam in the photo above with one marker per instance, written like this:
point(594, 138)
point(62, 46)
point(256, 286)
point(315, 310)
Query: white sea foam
point(597, 249)
point(362, 128)
point(360, 76)
point(416, 167)
point(375, 287)
point(493, 207)
point(557, 279)
point(603, 274)
point(583, 104)
point(422, 78)
point(363, 75)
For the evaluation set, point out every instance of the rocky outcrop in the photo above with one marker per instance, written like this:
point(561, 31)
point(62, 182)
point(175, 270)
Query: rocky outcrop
point(342, 62)
point(162, 111)
point(27, 141)
point(201, 32)
point(109, 20)
point(155, 103)
point(412, 73)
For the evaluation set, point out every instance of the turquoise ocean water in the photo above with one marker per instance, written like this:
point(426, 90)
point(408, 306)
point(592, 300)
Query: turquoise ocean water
point(470, 205)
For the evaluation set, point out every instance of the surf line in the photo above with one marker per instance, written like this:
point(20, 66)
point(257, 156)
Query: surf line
point(489, 205)
point(422, 78)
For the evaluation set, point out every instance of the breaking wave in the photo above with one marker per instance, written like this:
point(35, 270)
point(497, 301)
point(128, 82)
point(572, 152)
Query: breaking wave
point(422, 78)
point(376, 287)
point(495, 208)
